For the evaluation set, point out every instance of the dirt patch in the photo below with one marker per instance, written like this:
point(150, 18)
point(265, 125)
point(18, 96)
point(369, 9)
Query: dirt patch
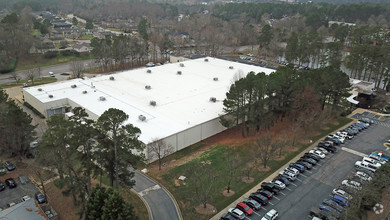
point(63, 205)
point(246, 180)
point(264, 169)
point(210, 209)
point(324, 128)
point(292, 149)
point(279, 158)
point(227, 194)
point(205, 162)
point(335, 123)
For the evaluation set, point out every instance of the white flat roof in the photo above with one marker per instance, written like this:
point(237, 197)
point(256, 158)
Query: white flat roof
point(182, 101)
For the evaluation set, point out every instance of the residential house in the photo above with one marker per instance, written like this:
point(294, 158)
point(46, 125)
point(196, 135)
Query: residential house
point(82, 48)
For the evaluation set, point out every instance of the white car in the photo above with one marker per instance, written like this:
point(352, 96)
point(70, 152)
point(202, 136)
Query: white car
point(293, 170)
point(365, 165)
point(352, 184)
point(150, 64)
point(318, 153)
point(51, 74)
point(271, 215)
point(377, 159)
point(363, 176)
point(321, 149)
point(279, 183)
point(341, 139)
point(341, 193)
point(373, 162)
point(344, 135)
point(238, 214)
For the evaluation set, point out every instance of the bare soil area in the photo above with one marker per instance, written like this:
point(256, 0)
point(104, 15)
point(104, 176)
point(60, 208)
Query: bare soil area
point(205, 211)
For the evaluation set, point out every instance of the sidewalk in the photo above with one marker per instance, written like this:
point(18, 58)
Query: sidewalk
point(276, 173)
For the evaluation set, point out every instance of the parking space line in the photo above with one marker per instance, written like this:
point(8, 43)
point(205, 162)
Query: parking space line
point(289, 189)
point(299, 180)
point(257, 213)
point(319, 164)
point(270, 203)
point(283, 192)
point(314, 168)
point(303, 175)
point(293, 184)
point(264, 208)
point(276, 198)
point(354, 152)
point(309, 171)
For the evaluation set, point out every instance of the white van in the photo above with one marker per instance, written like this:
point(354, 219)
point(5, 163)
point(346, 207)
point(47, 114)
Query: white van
point(372, 161)
point(365, 165)
point(51, 74)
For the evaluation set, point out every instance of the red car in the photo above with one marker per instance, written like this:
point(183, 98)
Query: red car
point(245, 208)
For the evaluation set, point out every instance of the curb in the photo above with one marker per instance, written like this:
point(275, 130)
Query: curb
point(273, 175)
point(169, 194)
point(146, 204)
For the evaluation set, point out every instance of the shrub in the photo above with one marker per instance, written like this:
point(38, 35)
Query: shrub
point(70, 53)
point(59, 183)
point(50, 54)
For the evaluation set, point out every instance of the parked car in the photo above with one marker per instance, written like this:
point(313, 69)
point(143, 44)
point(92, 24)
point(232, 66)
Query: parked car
point(150, 64)
point(244, 208)
point(378, 159)
point(341, 139)
point(312, 156)
point(236, 213)
point(252, 203)
point(259, 198)
point(365, 165)
point(34, 144)
point(227, 216)
point(330, 149)
point(265, 193)
point(40, 197)
point(367, 120)
point(373, 162)
point(287, 175)
point(292, 170)
point(380, 155)
point(363, 176)
point(333, 204)
point(308, 160)
point(270, 187)
point(271, 215)
point(2, 169)
point(340, 200)
point(334, 140)
point(283, 179)
point(10, 183)
point(342, 193)
point(298, 166)
point(331, 210)
point(25, 198)
point(364, 170)
point(316, 214)
point(2, 186)
point(321, 149)
point(23, 179)
point(318, 153)
point(51, 74)
point(307, 165)
point(278, 184)
point(352, 184)
point(9, 166)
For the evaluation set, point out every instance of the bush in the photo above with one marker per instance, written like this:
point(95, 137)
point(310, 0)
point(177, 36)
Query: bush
point(33, 109)
point(70, 53)
point(59, 183)
point(50, 54)
point(346, 112)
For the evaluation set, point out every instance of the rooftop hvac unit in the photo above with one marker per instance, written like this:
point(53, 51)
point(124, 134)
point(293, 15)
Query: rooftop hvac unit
point(148, 87)
point(73, 86)
point(112, 78)
point(213, 99)
point(181, 64)
point(102, 98)
point(215, 78)
point(85, 92)
point(178, 72)
point(149, 71)
point(40, 89)
point(142, 117)
point(231, 67)
point(51, 96)
point(206, 60)
point(152, 103)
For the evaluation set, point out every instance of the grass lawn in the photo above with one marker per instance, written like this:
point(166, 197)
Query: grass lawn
point(185, 193)
point(115, 29)
point(38, 61)
point(86, 37)
point(36, 32)
point(37, 81)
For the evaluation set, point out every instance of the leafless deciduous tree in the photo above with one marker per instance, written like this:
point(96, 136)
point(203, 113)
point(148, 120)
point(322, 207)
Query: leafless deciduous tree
point(31, 75)
point(15, 77)
point(232, 163)
point(265, 148)
point(77, 69)
point(158, 149)
point(203, 178)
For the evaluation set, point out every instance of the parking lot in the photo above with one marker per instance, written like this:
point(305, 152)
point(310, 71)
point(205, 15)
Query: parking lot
point(314, 185)
point(15, 194)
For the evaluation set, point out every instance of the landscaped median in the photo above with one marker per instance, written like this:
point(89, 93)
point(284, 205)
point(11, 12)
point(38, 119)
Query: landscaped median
point(220, 156)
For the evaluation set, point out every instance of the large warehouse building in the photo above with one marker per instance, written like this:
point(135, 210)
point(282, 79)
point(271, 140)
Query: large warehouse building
point(179, 103)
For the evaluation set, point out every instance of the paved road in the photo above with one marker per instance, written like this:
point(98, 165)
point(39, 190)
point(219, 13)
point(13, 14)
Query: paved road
point(160, 203)
point(56, 69)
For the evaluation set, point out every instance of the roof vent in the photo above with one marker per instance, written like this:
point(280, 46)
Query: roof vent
point(142, 117)
point(206, 60)
point(73, 86)
point(51, 96)
point(181, 64)
point(40, 89)
point(149, 71)
point(102, 98)
point(215, 78)
point(231, 67)
point(85, 92)
point(152, 103)
point(178, 72)
point(213, 99)
point(112, 78)
point(148, 87)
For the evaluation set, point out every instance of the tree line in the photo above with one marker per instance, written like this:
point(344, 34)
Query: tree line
point(254, 101)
